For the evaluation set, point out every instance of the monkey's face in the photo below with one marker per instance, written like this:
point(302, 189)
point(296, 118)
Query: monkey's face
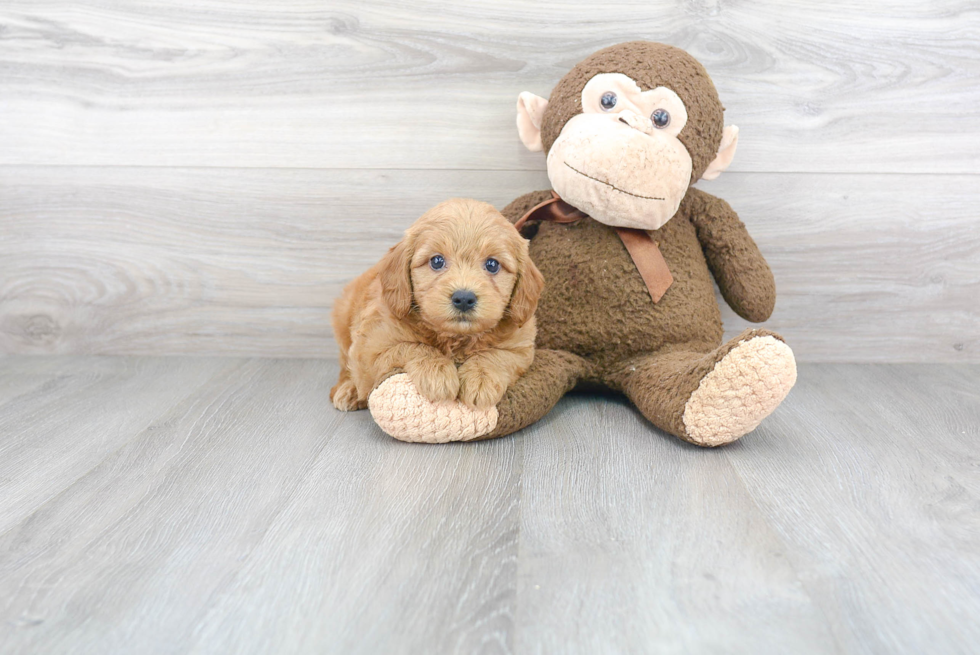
point(623, 155)
point(620, 160)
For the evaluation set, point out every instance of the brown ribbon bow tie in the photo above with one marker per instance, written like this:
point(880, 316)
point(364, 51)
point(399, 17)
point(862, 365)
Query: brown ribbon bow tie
point(646, 254)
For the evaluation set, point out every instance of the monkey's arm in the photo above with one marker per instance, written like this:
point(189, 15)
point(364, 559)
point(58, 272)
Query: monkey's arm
point(741, 271)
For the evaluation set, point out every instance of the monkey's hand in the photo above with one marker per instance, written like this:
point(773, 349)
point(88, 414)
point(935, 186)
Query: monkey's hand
point(405, 414)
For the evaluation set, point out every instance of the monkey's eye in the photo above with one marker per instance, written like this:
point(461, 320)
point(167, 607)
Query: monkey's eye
point(660, 118)
point(437, 262)
point(607, 101)
point(492, 266)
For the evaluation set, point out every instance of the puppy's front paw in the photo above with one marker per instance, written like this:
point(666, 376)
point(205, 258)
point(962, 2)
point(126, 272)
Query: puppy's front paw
point(479, 387)
point(435, 378)
point(344, 396)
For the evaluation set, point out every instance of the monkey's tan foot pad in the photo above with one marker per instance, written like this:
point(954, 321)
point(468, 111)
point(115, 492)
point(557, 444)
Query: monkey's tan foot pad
point(402, 412)
point(743, 388)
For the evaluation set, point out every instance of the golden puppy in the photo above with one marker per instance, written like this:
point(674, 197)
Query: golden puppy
point(452, 305)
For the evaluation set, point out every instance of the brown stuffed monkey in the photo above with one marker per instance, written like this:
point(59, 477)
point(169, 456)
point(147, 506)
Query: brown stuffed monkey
point(628, 249)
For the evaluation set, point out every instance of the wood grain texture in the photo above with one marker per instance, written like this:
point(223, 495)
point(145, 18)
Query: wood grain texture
point(22, 375)
point(387, 548)
point(242, 262)
point(634, 542)
point(202, 177)
point(255, 493)
point(163, 523)
point(56, 434)
point(251, 517)
point(871, 483)
point(831, 86)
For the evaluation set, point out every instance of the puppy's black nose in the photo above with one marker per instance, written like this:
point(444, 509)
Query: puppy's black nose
point(464, 300)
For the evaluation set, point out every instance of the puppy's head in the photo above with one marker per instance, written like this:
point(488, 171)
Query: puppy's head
point(464, 267)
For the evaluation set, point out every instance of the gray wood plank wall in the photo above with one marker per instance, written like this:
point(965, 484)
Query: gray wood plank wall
point(203, 177)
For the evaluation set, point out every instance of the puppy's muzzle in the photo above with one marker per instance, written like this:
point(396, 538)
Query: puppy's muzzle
point(464, 300)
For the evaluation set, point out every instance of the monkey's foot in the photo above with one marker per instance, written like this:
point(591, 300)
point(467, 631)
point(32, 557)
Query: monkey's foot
point(743, 388)
point(405, 414)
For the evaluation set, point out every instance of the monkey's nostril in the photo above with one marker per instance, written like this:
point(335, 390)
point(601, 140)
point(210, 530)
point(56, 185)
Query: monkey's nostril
point(623, 121)
point(464, 300)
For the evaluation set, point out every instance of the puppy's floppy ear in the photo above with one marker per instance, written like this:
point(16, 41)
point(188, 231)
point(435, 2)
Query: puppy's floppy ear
point(527, 289)
point(396, 278)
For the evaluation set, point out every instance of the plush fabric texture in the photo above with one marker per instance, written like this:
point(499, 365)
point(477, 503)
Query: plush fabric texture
point(726, 153)
point(651, 65)
point(587, 168)
point(599, 328)
point(742, 389)
point(595, 306)
point(552, 374)
point(405, 414)
point(648, 261)
point(595, 303)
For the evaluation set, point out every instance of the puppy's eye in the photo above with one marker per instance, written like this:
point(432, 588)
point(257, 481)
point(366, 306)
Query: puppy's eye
point(492, 265)
point(660, 118)
point(437, 262)
point(607, 101)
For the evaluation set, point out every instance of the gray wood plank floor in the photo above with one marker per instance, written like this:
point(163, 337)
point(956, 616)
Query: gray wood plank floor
point(170, 505)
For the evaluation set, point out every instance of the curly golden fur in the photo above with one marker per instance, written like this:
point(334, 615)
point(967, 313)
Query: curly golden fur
point(399, 315)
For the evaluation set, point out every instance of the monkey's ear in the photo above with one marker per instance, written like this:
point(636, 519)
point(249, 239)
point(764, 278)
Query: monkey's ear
point(396, 281)
point(726, 152)
point(530, 114)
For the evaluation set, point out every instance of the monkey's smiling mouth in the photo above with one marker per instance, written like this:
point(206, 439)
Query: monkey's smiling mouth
point(611, 186)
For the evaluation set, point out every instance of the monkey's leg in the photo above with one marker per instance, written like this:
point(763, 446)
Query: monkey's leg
point(552, 374)
point(403, 413)
point(712, 398)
